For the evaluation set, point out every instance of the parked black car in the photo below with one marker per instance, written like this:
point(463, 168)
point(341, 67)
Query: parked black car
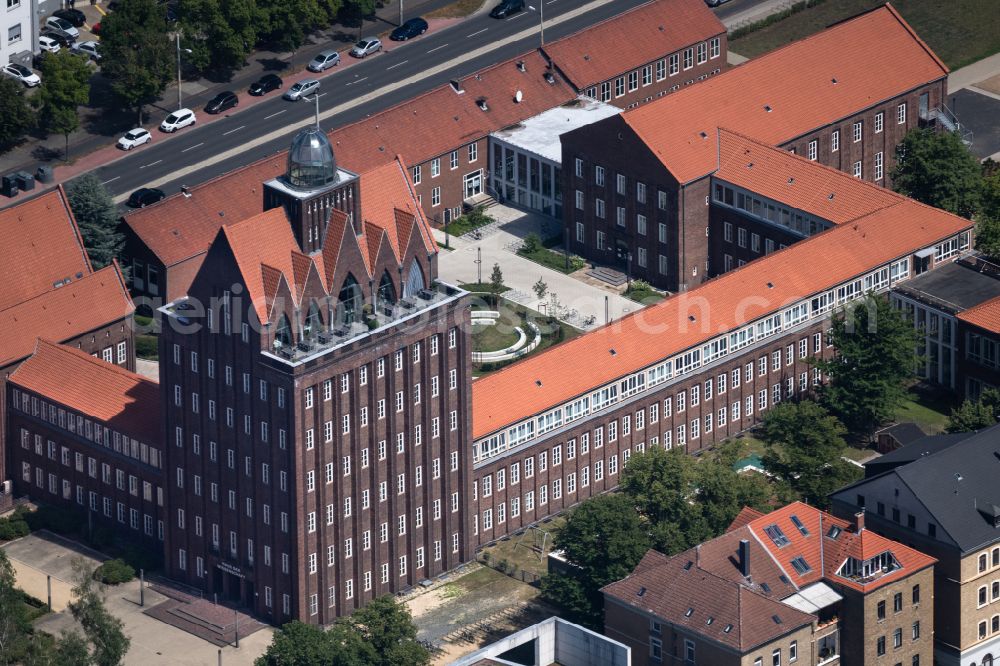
point(74, 16)
point(221, 102)
point(60, 37)
point(412, 28)
point(145, 196)
point(507, 7)
point(265, 84)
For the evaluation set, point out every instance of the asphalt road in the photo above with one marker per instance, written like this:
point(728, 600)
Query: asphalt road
point(381, 76)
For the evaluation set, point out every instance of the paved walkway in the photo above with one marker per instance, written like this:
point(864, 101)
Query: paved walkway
point(459, 266)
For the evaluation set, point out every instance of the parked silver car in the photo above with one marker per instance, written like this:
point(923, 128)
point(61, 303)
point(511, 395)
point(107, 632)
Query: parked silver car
point(366, 46)
point(301, 89)
point(324, 61)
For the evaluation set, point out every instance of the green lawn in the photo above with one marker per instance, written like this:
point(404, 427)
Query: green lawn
point(519, 552)
point(927, 412)
point(960, 31)
point(513, 315)
point(493, 338)
point(554, 259)
point(466, 223)
point(644, 295)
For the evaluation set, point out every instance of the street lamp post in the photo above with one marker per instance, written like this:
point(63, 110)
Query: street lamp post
point(541, 19)
point(179, 105)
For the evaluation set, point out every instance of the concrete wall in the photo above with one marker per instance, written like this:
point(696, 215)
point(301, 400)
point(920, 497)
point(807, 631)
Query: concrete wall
point(558, 641)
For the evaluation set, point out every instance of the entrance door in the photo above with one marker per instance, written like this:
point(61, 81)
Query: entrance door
point(473, 184)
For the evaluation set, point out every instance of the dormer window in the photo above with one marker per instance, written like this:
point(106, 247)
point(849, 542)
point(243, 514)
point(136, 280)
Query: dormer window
point(864, 570)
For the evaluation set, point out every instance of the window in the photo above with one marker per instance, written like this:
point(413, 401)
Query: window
point(901, 114)
point(857, 169)
point(14, 35)
point(915, 594)
point(835, 141)
point(715, 47)
point(880, 645)
point(857, 132)
point(436, 196)
point(633, 80)
point(878, 166)
point(811, 150)
point(793, 651)
point(435, 167)
point(453, 160)
point(674, 64)
point(688, 58)
point(702, 52)
point(879, 118)
point(620, 86)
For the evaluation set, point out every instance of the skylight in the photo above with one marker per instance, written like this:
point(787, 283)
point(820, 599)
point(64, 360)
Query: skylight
point(688, 612)
point(800, 565)
point(776, 535)
point(799, 525)
point(834, 532)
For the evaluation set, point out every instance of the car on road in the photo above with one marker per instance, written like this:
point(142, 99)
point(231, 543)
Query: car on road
point(134, 137)
point(410, 29)
point(62, 24)
point(91, 49)
point(221, 102)
point(48, 45)
point(265, 84)
point(366, 46)
point(179, 119)
point(301, 89)
point(74, 16)
point(507, 8)
point(22, 74)
point(714, 3)
point(145, 196)
point(59, 37)
point(324, 61)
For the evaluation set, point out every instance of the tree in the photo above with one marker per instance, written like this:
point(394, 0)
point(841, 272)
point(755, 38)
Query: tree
point(297, 643)
point(604, 539)
point(976, 415)
point(540, 288)
point(67, 86)
point(723, 492)
point(804, 447)
point(16, 116)
point(14, 625)
point(285, 23)
point(874, 357)
point(936, 168)
point(988, 218)
point(496, 283)
point(103, 630)
point(388, 630)
point(219, 33)
point(137, 55)
point(97, 217)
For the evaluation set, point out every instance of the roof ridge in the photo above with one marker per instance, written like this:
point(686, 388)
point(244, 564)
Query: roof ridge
point(916, 37)
point(55, 347)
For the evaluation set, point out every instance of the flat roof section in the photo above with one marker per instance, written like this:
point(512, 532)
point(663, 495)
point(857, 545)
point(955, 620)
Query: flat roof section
point(956, 287)
point(540, 134)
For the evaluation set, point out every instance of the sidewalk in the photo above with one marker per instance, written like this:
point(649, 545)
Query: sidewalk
point(90, 150)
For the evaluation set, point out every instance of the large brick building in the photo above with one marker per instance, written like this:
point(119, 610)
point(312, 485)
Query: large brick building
point(316, 408)
point(796, 584)
point(638, 184)
point(942, 499)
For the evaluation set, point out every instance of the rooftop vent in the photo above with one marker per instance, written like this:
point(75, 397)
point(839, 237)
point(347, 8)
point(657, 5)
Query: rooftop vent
point(749, 165)
point(688, 565)
point(641, 592)
point(613, 352)
point(538, 382)
point(791, 179)
point(222, 213)
point(661, 28)
point(710, 620)
point(830, 197)
point(691, 317)
point(777, 619)
point(770, 285)
point(184, 191)
point(481, 103)
point(727, 629)
point(833, 80)
point(521, 67)
point(689, 612)
point(767, 107)
point(703, 135)
point(586, 56)
point(518, 96)
point(456, 85)
point(550, 78)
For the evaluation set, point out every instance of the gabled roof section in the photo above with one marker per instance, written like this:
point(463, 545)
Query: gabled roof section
point(631, 39)
point(62, 314)
point(41, 248)
point(648, 336)
point(184, 225)
point(456, 119)
point(744, 517)
point(388, 201)
point(985, 315)
point(126, 401)
point(698, 601)
point(788, 92)
point(800, 540)
point(797, 182)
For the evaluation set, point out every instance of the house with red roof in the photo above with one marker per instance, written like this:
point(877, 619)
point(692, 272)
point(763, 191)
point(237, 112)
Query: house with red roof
point(640, 183)
point(796, 585)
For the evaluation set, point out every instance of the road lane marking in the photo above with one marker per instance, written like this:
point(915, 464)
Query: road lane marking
point(355, 102)
point(150, 164)
point(363, 78)
point(437, 48)
point(397, 64)
point(111, 181)
point(233, 130)
point(478, 32)
point(518, 15)
point(193, 147)
point(275, 114)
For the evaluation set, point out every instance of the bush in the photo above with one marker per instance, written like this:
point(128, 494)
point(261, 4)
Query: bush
point(11, 528)
point(146, 347)
point(114, 572)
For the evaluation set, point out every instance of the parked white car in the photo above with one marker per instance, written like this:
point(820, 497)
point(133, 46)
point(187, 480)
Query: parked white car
point(47, 44)
point(90, 48)
point(179, 119)
point(301, 89)
point(22, 74)
point(62, 24)
point(366, 46)
point(133, 138)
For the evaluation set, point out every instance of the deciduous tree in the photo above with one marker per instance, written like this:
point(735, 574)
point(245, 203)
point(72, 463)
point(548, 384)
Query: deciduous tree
point(387, 628)
point(976, 415)
point(874, 358)
point(103, 630)
point(16, 116)
point(67, 87)
point(937, 169)
point(805, 445)
point(97, 217)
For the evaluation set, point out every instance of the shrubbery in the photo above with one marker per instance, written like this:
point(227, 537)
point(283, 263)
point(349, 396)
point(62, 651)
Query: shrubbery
point(114, 572)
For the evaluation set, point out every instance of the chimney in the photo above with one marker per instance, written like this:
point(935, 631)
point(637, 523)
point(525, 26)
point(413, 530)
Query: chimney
point(859, 521)
point(744, 557)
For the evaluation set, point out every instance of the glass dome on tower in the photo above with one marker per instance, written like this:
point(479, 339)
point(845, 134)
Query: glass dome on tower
point(311, 163)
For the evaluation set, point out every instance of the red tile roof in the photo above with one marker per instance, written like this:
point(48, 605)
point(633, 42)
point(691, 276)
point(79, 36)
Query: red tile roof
point(985, 315)
point(389, 201)
point(688, 596)
point(126, 401)
point(62, 314)
point(181, 226)
point(40, 246)
point(824, 555)
point(788, 92)
point(820, 190)
point(633, 38)
point(744, 517)
point(650, 335)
